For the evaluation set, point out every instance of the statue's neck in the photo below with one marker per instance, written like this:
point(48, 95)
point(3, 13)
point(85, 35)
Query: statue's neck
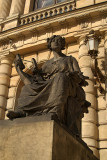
point(57, 55)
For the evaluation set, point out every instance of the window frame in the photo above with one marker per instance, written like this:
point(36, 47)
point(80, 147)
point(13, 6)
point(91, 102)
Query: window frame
point(35, 3)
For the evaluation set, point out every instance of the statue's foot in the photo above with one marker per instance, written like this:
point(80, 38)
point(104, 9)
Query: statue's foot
point(13, 114)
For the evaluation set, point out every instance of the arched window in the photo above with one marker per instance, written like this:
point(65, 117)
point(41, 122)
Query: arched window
point(44, 3)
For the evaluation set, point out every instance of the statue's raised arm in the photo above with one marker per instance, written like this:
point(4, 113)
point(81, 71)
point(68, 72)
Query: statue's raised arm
point(19, 68)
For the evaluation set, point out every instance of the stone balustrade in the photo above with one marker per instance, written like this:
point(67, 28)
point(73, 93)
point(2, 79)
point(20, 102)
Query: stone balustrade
point(55, 10)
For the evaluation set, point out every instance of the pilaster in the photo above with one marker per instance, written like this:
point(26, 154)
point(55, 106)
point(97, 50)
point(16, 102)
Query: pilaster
point(28, 6)
point(4, 8)
point(5, 72)
point(17, 8)
point(103, 113)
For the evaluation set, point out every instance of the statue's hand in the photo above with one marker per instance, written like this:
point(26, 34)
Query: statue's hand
point(18, 62)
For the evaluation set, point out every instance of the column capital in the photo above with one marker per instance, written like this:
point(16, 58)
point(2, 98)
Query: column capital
point(7, 59)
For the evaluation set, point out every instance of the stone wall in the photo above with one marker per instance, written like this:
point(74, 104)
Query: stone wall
point(21, 32)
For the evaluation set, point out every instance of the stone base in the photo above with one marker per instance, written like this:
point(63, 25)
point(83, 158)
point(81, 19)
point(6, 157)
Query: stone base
point(29, 139)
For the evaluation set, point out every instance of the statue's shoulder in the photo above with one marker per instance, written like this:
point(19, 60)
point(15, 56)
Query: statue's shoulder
point(70, 59)
point(47, 64)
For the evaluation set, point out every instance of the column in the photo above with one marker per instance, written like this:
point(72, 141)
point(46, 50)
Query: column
point(5, 72)
point(102, 114)
point(4, 8)
point(89, 122)
point(28, 6)
point(17, 7)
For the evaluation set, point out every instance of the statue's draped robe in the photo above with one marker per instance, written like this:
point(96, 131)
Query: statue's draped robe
point(60, 88)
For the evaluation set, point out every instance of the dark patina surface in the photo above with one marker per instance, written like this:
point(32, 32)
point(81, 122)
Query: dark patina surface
point(54, 89)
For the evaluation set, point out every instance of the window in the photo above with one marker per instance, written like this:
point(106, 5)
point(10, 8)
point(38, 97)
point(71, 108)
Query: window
point(45, 3)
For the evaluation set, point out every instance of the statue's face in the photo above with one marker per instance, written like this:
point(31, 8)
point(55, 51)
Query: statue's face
point(56, 44)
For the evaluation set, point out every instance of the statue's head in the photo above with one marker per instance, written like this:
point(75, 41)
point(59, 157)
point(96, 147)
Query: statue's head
point(56, 41)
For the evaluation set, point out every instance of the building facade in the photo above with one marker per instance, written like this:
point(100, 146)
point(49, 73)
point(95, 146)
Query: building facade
point(25, 26)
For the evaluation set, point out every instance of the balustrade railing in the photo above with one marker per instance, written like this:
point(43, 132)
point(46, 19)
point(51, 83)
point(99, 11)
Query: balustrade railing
point(41, 14)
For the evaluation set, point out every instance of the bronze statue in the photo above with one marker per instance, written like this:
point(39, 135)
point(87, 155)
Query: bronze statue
point(56, 88)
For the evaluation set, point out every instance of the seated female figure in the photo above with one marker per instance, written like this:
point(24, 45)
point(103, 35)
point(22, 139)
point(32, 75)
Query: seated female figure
point(55, 89)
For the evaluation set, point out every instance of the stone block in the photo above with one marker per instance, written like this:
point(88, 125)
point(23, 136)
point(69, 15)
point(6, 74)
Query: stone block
point(91, 116)
point(25, 139)
point(99, 1)
point(43, 55)
point(85, 61)
point(2, 113)
point(101, 63)
point(89, 130)
point(11, 22)
point(5, 69)
point(103, 86)
point(87, 72)
point(90, 142)
point(14, 72)
point(3, 90)
point(12, 92)
point(103, 154)
point(90, 87)
point(83, 51)
point(96, 22)
point(84, 3)
point(102, 132)
point(103, 144)
point(3, 102)
point(10, 103)
point(95, 151)
point(72, 27)
point(101, 103)
point(102, 117)
point(7, 59)
point(72, 48)
point(101, 52)
point(92, 99)
point(14, 81)
point(4, 79)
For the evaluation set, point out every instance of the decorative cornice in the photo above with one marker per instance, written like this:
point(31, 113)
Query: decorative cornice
point(53, 19)
point(81, 17)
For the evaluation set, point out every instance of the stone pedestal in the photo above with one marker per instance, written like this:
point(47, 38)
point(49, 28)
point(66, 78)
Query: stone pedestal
point(30, 139)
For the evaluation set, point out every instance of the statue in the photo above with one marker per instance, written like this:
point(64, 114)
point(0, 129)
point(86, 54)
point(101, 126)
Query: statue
point(54, 89)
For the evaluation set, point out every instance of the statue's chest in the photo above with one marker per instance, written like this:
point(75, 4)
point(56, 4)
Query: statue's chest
point(60, 65)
